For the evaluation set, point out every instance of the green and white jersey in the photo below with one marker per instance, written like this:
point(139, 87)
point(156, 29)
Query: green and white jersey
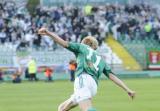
point(88, 61)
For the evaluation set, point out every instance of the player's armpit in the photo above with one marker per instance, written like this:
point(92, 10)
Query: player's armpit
point(74, 47)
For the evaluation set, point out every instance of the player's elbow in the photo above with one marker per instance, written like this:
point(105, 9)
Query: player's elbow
point(112, 77)
point(61, 108)
point(65, 44)
point(62, 43)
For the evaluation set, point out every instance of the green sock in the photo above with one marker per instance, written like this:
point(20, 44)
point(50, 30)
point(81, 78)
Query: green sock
point(91, 109)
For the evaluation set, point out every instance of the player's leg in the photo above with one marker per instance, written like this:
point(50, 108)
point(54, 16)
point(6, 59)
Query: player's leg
point(85, 105)
point(84, 92)
point(67, 105)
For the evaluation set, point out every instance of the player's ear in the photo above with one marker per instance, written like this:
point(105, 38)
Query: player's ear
point(94, 47)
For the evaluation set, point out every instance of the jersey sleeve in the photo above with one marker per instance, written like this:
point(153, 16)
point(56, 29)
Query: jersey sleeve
point(74, 47)
point(107, 70)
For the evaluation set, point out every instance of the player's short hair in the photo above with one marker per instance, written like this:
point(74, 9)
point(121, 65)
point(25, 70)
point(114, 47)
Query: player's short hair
point(90, 41)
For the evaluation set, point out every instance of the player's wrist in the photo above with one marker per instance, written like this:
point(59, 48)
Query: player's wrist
point(47, 32)
point(128, 90)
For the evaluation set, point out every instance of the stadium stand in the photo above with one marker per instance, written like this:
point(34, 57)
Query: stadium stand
point(135, 26)
point(129, 62)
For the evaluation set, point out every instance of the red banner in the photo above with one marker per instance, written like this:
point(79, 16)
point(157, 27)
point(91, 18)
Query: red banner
point(154, 60)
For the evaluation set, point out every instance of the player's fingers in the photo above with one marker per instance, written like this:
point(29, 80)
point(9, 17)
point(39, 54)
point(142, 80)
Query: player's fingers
point(133, 95)
point(41, 32)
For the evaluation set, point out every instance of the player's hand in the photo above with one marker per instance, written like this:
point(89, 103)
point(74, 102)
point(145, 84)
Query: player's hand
point(43, 31)
point(131, 93)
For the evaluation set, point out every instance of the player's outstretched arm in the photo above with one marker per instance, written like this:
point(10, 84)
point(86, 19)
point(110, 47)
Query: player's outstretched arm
point(122, 85)
point(55, 37)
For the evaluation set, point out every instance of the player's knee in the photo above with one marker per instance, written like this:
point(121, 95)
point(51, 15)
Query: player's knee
point(61, 108)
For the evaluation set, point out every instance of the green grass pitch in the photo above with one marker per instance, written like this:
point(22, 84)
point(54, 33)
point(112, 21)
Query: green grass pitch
point(41, 96)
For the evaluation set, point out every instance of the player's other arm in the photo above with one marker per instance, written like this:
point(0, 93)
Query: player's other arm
point(120, 83)
point(55, 37)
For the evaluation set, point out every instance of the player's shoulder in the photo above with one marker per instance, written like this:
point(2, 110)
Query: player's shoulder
point(71, 42)
point(83, 46)
point(78, 44)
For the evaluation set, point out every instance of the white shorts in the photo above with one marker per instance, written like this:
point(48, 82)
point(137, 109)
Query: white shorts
point(85, 87)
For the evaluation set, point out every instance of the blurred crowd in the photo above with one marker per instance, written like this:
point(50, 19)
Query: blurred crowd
point(18, 27)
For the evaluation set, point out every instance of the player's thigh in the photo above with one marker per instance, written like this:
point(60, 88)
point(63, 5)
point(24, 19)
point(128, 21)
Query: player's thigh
point(85, 81)
point(92, 86)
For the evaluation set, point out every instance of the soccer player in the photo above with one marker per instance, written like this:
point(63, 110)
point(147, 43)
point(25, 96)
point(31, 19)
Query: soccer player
point(90, 66)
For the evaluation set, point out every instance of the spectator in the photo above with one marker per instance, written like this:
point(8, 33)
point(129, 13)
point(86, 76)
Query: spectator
point(72, 68)
point(32, 69)
point(48, 74)
point(1, 76)
point(3, 36)
point(26, 73)
point(73, 23)
point(16, 77)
